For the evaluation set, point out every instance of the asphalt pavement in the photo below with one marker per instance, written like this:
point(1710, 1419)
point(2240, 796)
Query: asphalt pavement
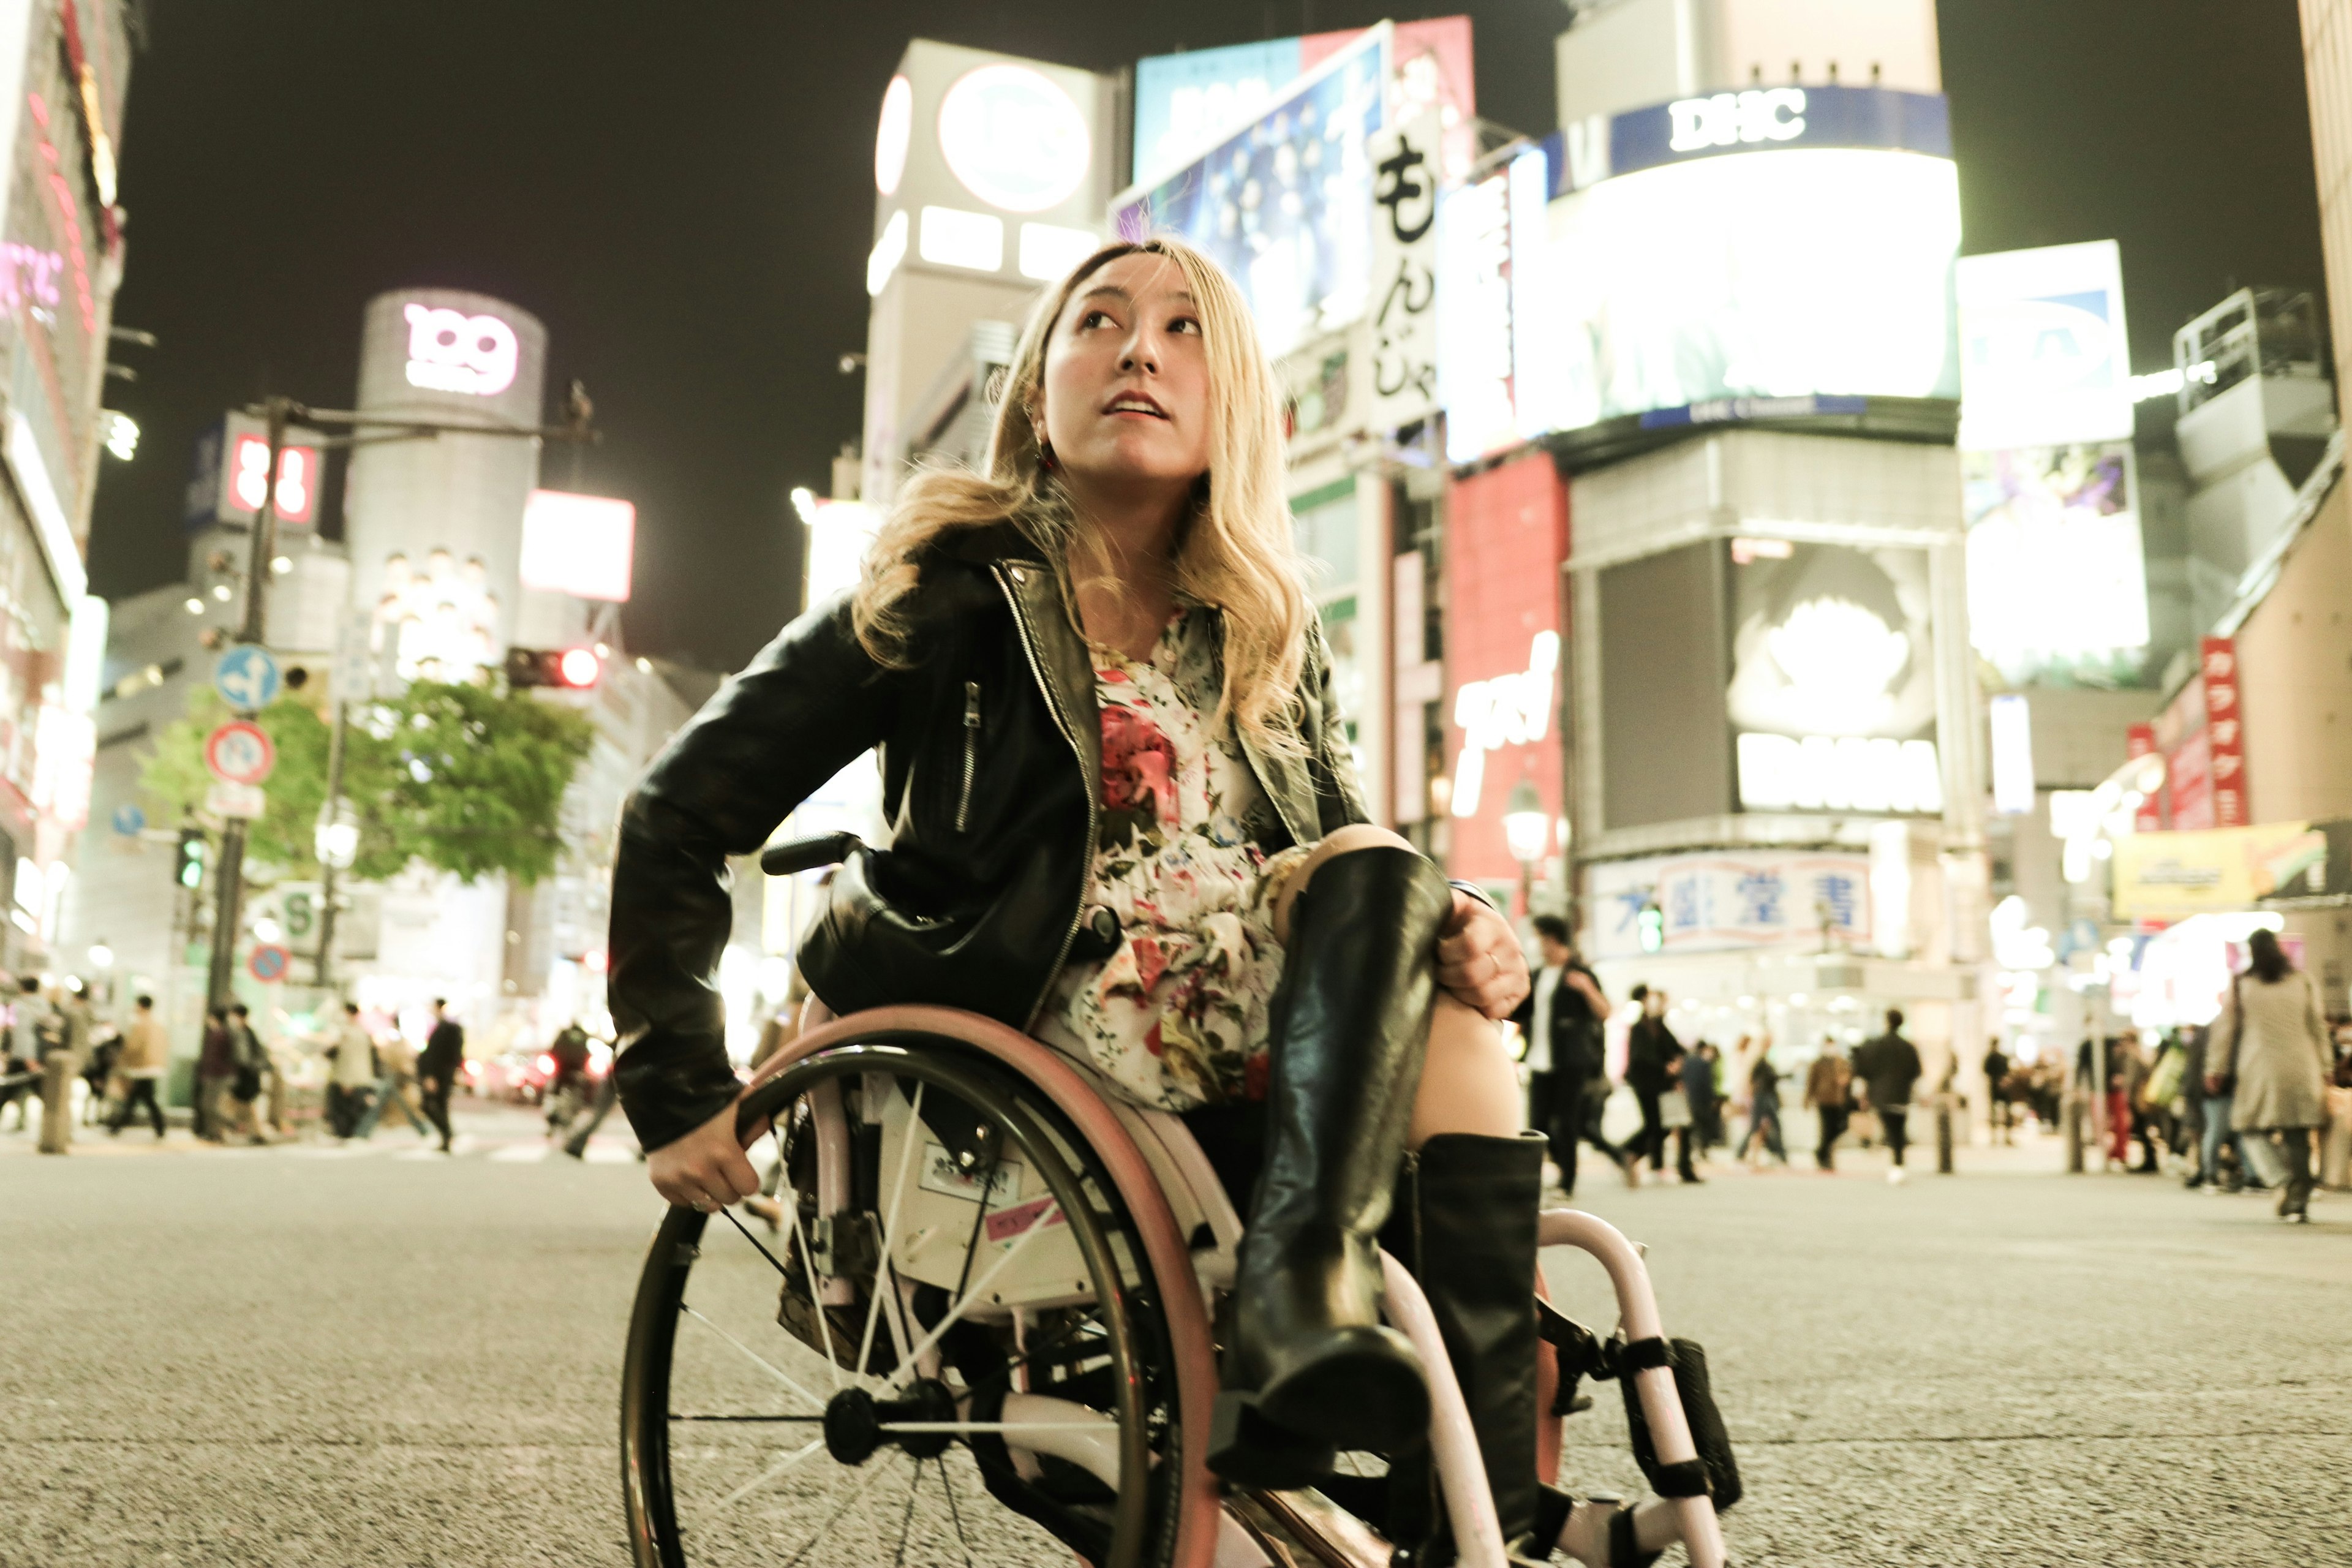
point(306, 1355)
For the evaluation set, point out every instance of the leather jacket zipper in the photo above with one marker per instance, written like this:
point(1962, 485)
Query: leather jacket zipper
point(1077, 754)
point(971, 753)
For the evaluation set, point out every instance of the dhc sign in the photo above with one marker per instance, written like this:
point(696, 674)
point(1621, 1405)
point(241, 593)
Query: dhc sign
point(1759, 119)
point(1730, 119)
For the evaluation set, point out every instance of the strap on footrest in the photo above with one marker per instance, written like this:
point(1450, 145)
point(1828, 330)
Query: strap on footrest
point(1641, 1356)
point(1685, 1480)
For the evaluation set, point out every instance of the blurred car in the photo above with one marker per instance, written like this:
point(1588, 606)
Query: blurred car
point(517, 1076)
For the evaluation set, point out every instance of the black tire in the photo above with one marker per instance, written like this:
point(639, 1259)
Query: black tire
point(1110, 1354)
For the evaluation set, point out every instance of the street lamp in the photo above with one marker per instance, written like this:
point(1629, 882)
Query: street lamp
point(336, 838)
point(1527, 830)
point(101, 955)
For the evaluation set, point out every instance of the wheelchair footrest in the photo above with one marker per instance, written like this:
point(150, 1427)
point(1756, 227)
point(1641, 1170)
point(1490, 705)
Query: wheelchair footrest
point(1246, 1449)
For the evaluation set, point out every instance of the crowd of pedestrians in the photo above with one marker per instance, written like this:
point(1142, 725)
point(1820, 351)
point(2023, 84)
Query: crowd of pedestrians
point(2260, 1100)
point(238, 1086)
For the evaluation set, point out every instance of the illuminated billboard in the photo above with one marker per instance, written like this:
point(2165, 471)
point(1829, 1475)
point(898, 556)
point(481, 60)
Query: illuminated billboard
point(1184, 101)
point(1742, 255)
point(1833, 691)
point(580, 545)
point(1772, 275)
point(2057, 582)
point(2045, 356)
point(986, 163)
point(1285, 205)
point(232, 471)
point(1506, 535)
point(1492, 297)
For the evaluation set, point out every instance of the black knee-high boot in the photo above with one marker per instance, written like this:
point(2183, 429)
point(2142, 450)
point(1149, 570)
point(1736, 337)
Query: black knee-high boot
point(1466, 1226)
point(1309, 1367)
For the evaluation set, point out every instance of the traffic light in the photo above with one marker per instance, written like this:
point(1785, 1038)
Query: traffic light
point(1652, 922)
point(190, 870)
point(567, 668)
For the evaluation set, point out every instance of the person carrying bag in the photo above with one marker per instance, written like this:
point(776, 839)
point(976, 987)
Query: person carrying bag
point(2270, 1057)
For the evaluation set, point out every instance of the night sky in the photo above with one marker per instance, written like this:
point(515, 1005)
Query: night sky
point(684, 195)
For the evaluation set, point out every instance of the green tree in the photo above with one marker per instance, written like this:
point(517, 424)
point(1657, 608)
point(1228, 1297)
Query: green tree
point(465, 778)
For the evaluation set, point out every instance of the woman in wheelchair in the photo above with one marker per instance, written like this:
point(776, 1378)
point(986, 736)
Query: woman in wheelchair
point(1123, 818)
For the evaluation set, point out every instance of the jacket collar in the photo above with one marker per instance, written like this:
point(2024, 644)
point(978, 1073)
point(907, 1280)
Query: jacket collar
point(1064, 668)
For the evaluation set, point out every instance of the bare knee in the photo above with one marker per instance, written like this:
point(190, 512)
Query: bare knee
point(1468, 1083)
point(1355, 836)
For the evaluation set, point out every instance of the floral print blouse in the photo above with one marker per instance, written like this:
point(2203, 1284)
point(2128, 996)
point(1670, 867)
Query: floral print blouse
point(1176, 1017)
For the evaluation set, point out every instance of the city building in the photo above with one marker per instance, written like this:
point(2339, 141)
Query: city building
point(1707, 678)
point(65, 67)
point(452, 553)
point(991, 174)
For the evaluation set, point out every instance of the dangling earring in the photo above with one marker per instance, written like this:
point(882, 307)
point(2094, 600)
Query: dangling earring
point(1045, 458)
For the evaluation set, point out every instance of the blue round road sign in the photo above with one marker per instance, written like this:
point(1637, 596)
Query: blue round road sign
point(247, 679)
point(129, 821)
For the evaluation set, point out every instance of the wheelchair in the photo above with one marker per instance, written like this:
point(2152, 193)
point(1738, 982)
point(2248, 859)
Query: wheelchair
point(979, 1330)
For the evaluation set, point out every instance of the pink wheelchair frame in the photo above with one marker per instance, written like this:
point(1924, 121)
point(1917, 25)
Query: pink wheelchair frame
point(1145, 1153)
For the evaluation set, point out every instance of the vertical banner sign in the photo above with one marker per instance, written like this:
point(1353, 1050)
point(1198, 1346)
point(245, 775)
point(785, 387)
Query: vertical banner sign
point(1404, 160)
point(2139, 740)
point(2225, 736)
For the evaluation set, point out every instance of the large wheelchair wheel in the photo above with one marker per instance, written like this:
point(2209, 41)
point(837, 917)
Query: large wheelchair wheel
point(949, 1347)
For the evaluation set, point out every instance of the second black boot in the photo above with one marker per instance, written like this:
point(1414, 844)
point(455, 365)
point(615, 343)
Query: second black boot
point(1466, 1226)
point(1310, 1366)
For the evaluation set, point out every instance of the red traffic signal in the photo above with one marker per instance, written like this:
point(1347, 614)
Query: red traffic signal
point(570, 668)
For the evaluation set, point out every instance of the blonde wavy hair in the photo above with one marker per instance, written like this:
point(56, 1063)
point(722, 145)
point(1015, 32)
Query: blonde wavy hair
point(1233, 552)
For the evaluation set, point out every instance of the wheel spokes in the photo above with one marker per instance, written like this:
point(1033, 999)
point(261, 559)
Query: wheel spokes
point(1046, 1217)
point(754, 1356)
point(890, 1231)
point(773, 1472)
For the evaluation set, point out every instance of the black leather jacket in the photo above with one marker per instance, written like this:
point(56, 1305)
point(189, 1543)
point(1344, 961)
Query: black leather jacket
point(992, 768)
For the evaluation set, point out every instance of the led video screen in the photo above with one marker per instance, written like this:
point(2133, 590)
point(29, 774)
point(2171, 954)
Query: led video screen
point(1285, 204)
point(1783, 273)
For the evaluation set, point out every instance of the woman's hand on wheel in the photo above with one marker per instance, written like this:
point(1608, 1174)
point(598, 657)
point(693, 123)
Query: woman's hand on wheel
point(706, 1169)
point(1479, 959)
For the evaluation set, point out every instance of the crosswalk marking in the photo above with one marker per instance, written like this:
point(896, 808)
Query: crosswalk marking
point(492, 1151)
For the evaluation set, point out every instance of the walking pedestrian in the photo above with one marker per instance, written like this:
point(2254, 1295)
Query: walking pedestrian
point(2270, 1051)
point(1829, 1090)
point(1999, 1113)
point(1706, 1098)
point(1561, 1023)
point(1764, 1107)
point(1652, 1070)
point(236, 1108)
point(1888, 1070)
point(395, 1081)
point(567, 1086)
point(437, 1067)
point(216, 1072)
point(608, 1094)
point(353, 1074)
point(145, 1055)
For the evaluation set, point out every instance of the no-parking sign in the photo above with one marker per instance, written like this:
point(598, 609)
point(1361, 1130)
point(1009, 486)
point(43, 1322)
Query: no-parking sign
point(239, 753)
point(268, 962)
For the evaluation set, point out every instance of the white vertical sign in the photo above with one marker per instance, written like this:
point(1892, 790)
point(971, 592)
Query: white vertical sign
point(1403, 309)
point(2045, 353)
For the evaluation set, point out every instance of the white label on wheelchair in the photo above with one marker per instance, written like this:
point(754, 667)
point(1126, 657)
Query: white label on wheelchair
point(940, 1174)
point(1022, 1252)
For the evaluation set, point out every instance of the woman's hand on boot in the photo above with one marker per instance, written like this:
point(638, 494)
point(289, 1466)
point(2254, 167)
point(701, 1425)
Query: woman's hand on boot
point(1479, 959)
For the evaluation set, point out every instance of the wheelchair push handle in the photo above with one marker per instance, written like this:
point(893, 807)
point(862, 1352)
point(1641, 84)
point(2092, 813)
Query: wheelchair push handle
point(795, 855)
